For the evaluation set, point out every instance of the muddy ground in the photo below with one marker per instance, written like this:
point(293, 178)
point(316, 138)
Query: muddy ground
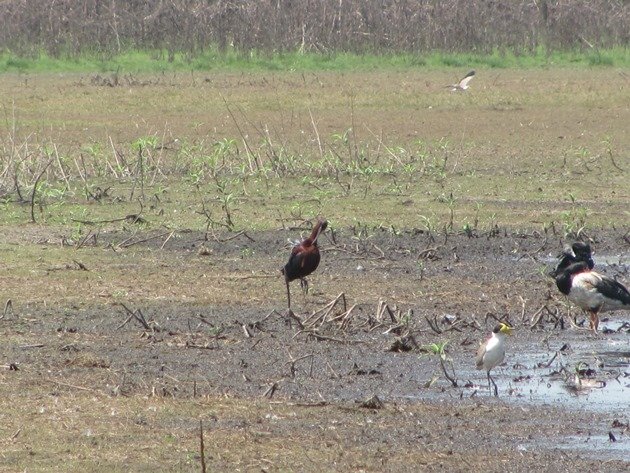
point(349, 387)
point(89, 386)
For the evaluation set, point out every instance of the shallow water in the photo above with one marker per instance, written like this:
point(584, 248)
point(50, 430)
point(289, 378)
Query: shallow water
point(537, 380)
point(620, 260)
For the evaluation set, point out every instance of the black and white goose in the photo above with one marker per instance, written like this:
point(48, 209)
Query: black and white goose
point(577, 252)
point(591, 291)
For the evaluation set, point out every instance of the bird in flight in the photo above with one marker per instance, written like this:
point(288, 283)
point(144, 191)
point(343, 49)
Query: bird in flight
point(492, 352)
point(304, 259)
point(462, 84)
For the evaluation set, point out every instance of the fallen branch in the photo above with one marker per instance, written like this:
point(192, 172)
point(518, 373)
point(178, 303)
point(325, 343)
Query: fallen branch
point(74, 386)
point(535, 319)
point(127, 243)
point(137, 314)
point(312, 320)
point(271, 390)
point(8, 305)
point(331, 339)
point(241, 233)
point(293, 361)
point(433, 324)
point(201, 448)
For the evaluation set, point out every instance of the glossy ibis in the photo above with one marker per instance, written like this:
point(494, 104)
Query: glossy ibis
point(304, 259)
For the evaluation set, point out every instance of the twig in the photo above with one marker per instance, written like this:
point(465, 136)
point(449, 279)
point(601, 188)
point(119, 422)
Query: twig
point(80, 265)
point(293, 361)
point(7, 306)
point(452, 379)
point(167, 239)
point(35, 189)
point(319, 142)
point(271, 390)
point(201, 448)
point(332, 339)
point(548, 364)
point(73, 386)
point(63, 173)
point(207, 346)
point(536, 317)
point(394, 155)
point(17, 432)
point(246, 331)
point(125, 322)
point(137, 314)
point(84, 240)
point(128, 243)
point(433, 324)
point(241, 233)
point(312, 320)
point(250, 153)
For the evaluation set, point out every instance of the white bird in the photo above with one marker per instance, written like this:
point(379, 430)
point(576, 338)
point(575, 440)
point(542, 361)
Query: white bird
point(462, 84)
point(492, 352)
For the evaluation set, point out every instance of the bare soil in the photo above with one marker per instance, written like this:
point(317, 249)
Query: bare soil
point(510, 168)
point(336, 394)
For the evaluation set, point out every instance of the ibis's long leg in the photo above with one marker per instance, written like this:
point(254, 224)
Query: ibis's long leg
point(288, 293)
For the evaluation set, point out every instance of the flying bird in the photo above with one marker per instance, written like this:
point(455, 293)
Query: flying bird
point(591, 291)
point(492, 352)
point(462, 84)
point(304, 259)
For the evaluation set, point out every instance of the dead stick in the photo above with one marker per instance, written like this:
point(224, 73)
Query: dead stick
point(17, 432)
point(124, 323)
point(74, 386)
point(201, 448)
point(35, 189)
point(7, 306)
point(548, 364)
point(167, 239)
point(333, 339)
point(131, 243)
point(536, 317)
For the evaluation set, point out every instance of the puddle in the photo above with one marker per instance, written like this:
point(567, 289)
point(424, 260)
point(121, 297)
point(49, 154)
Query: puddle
point(598, 445)
point(604, 388)
point(623, 261)
point(532, 382)
point(607, 324)
point(603, 384)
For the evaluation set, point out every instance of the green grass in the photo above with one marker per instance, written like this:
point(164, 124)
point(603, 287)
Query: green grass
point(401, 151)
point(212, 60)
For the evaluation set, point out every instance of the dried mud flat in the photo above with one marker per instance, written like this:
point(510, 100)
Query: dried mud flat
point(352, 389)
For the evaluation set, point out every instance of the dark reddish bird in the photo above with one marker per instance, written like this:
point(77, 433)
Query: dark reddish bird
point(591, 291)
point(304, 259)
